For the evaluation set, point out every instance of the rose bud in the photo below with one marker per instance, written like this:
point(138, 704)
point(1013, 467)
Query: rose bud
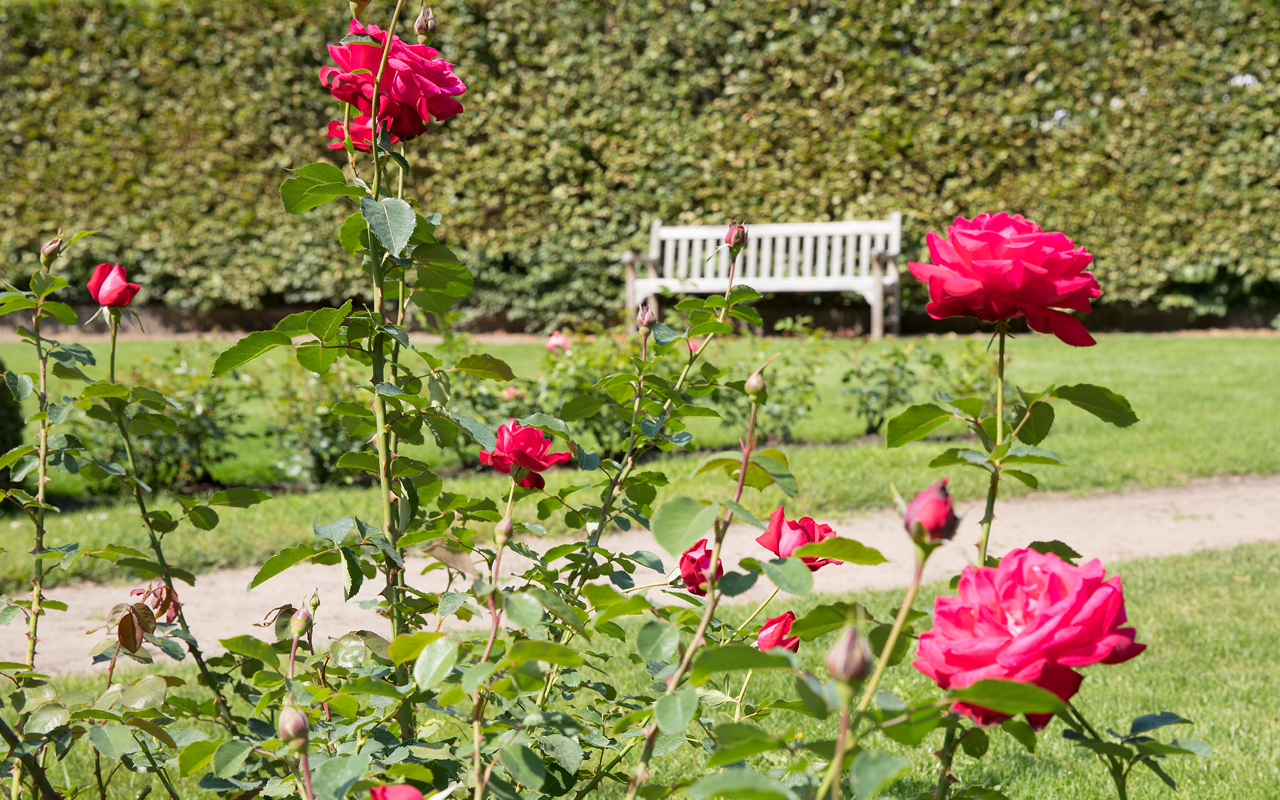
point(503, 530)
point(930, 516)
point(50, 251)
point(737, 235)
point(293, 727)
point(694, 564)
point(774, 633)
point(299, 623)
point(425, 26)
point(109, 285)
point(314, 603)
point(644, 319)
point(755, 387)
point(357, 7)
point(849, 659)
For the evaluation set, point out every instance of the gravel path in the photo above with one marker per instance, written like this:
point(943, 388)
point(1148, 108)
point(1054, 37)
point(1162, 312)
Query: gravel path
point(1203, 514)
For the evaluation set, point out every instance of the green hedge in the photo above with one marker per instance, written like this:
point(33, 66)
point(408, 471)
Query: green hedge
point(1145, 130)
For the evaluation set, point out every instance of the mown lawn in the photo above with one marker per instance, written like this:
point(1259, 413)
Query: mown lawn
point(1206, 406)
point(1208, 619)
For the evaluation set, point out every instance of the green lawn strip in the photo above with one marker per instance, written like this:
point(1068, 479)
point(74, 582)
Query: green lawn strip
point(1206, 618)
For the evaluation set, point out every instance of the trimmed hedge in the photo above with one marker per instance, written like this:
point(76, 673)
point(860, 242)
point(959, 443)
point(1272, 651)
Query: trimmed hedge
point(1146, 131)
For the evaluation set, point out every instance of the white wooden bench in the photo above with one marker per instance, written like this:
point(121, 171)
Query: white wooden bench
point(856, 256)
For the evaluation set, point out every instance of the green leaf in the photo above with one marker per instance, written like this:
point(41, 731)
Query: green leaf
point(249, 348)
point(1193, 746)
point(295, 197)
point(915, 423)
point(872, 771)
point(350, 232)
point(1035, 429)
point(1150, 722)
point(741, 293)
point(391, 220)
point(61, 312)
point(335, 776)
point(196, 756)
point(338, 190)
point(582, 407)
point(249, 647)
point(975, 743)
point(1103, 403)
point(743, 514)
point(657, 640)
point(822, 619)
point(280, 562)
point(15, 454)
point(353, 577)
point(203, 517)
point(296, 323)
point(542, 650)
point(1059, 549)
point(1022, 731)
point(435, 663)
point(1026, 454)
point(841, 549)
point(325, 323)
point(408, 646)
point(779, 472)
point(47, 717)
point(680, 522)
point(523, 765)
point(738, 784)
point(791, 575)
point(1010, 697)
point(674, 711)
point(230, 757)
point(734, 658)
point(239, 497)
point(664, 334)
point(20, 386)
point(486, 367)
point(523, 609)
point(1025, 477)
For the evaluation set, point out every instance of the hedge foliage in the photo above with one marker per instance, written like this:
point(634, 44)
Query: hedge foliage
point(1145, 130)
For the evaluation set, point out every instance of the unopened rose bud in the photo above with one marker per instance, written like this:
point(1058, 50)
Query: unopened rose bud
point(425, 26)
point(930, 516)
point(357, 7)
point(299, 623)
point(503, 530)
point(50, 251)
point(756, 388)
point(293, 727)
point(849, 659)
point(737, 235)
point(644, 319)
point(314, 603)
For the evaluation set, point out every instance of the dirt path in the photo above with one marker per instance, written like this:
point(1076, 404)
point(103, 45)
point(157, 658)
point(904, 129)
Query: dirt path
point(1114, 527)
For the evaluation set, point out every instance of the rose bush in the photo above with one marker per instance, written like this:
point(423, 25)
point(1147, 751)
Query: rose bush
point(531, 699)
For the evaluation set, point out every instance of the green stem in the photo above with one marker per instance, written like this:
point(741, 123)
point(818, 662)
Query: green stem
point(37, 568)
point(29, 762)
point(1001, 328)
point(759, 608)
point(160, 773)
point(737, 714)
point(994, 488)
point(944, 758)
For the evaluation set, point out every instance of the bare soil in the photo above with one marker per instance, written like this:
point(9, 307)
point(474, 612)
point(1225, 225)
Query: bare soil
point(1219, 512)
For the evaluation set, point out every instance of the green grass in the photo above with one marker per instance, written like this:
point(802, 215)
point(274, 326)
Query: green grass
point(1207, 618)
point(1206, 406)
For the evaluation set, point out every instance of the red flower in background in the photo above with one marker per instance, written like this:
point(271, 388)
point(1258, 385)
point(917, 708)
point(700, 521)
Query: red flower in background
point(395, 792)
point(110, 286)
point(1031, 619)
point(997, 267)
point(417, 86)
point(784, 536)
point(774, 633)
point(523, 450)
point(694, 564)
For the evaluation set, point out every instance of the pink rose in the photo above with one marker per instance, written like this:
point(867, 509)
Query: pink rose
point(524, 450)
point(737, 235)
point(933, 512)
point(557, 341)
point(512, 393)
point(396, 792)
point(694, 564)
point(693, 345)
point(783, 537)
point(1031, 619)
point(361, 134)
point(110, 286)
point(774, 633)
point(417, 86)
point(998, 267)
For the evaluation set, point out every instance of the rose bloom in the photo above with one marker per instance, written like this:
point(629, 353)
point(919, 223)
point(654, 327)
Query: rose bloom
point(110, 286)
point(932, 511)
point(1032, 619)
point(774, 633)
point(361, 134)
point(417, 86)
point(557, 341)
point(998, 267)
point(694, 564)
point(397, 792)
point(783, 537)
point(525, 450)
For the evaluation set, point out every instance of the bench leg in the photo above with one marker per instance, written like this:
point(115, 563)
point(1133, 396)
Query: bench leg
point(895, 309)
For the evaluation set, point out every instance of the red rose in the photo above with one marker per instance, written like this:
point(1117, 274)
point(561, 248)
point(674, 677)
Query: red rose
point(933, 512)
point(737, 235)
point(110, 286)
point(783, 537)
point(361, 134)
point(694, 564)
point(417, 86)
point(1032, 619)
point(397, 792)
point(998, 267)
point(525, 449)
point(774, 633)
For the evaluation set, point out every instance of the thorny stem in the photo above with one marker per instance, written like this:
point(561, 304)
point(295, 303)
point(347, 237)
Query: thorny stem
point(223, 709)
point(37, 579)
point(944, 767)
point(495, 617)
point(29, 761)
